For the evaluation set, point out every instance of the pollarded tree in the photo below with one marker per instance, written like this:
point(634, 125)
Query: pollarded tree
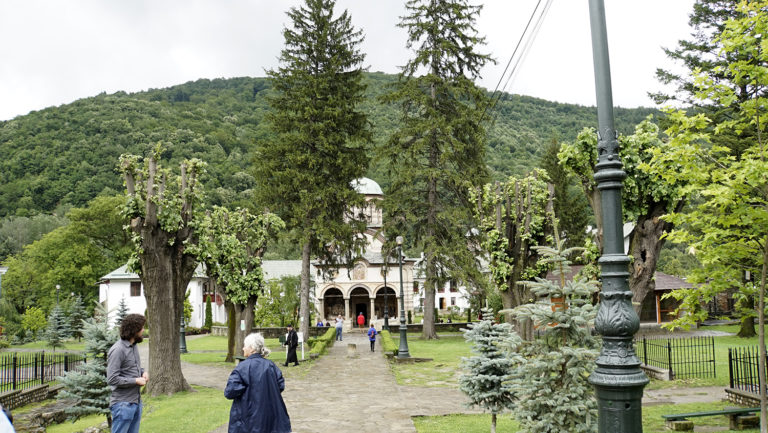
point(161, 208)
point(646, 197)
point(58, 329)
point(487, 372)
point(87, 386)
point(208, 324)
point(231, 246)
point(513, 216)
point(437, 154)
point(304, 175)
point(728, 227)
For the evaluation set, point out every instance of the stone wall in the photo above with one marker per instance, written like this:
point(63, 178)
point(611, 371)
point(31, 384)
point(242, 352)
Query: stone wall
point(742, 398)
point(22, 397)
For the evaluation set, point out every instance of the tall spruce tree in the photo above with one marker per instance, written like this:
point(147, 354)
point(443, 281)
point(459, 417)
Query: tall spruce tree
point(122, 311)
point(305, 173)
point(437, 154)
point(76, 314)
point(88, 386)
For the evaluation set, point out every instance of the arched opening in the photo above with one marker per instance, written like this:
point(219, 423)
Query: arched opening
point(333, 303)
point(360, 302)
point(391, 303)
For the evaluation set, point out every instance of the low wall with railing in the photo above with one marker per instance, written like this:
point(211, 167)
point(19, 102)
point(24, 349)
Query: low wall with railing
point(22, 370)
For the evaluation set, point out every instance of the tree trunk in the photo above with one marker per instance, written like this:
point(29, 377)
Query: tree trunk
point(428, 331)
point(231, 327)
point(644, 247)
point(747, 329)
point(493, 422)
point(166, 271)
point(303, 325)
point(243, 322)
point(761, 340)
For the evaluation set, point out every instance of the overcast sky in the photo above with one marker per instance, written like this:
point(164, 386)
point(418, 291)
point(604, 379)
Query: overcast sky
point(53, 52)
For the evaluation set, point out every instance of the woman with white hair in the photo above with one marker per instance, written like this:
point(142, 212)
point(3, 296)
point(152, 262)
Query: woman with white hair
point(256, 385)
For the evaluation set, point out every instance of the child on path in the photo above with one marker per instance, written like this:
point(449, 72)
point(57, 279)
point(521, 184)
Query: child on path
point(372, 336)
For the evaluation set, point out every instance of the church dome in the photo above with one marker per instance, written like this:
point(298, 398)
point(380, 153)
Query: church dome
point(366, 186)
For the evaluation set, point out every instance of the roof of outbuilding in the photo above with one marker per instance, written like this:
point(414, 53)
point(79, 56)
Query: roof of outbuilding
point(366, 186)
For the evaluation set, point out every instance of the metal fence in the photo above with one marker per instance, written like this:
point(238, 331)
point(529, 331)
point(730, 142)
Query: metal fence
point(21, 370)
point(742, 367)
point(683, 357)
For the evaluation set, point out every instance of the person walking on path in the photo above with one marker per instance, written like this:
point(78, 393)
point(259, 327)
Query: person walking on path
point(372, 336)
point(292, 341)
point(361, 322)
point(339, 326)
point(125, 376)
point(256, 387)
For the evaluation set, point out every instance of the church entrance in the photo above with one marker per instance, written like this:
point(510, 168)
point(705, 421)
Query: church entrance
point(391, 303)
point(359, 302)
point(333, 304)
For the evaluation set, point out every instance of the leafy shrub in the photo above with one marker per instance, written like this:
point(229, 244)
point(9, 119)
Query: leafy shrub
point(4, 343)
point(387, 344)
point(320, 343)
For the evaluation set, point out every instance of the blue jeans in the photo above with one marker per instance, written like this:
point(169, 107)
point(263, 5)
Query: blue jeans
point(338, 334)
point(126, 417)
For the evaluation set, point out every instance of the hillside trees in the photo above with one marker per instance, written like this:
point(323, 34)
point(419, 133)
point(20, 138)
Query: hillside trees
point(646, 197)
point(437, 154)
point(321, 138)
point(231, 244)
point(161, 206)
point(728, 227)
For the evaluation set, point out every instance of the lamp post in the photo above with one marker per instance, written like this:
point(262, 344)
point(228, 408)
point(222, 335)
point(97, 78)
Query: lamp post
point(58, 287)
point(402, 352)
point(183, 333)
point(618, 380)
point(386, 300)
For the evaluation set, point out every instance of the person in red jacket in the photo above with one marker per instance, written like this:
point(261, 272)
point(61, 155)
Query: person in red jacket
point(361, 322)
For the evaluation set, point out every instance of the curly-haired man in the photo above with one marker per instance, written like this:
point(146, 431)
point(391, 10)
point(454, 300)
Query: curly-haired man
point(125, 376)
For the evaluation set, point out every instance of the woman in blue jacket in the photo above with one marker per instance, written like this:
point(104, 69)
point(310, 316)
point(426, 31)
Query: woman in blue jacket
point(256, 385)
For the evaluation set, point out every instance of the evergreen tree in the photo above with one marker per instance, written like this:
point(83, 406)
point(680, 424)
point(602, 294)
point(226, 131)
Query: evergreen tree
point(305, 173)
point(438, 152)
point(486, 381)
point(59, 328)
point(208, 314)
point(122, 311)
point(88, 386)
point(550, 375)
point(76, 314)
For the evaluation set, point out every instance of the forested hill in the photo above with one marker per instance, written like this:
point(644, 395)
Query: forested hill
point(68, 154)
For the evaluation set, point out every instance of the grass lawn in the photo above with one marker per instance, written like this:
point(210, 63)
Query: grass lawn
point(443, 370)
point(70, 345)
point(199, 411)
point(652, 421)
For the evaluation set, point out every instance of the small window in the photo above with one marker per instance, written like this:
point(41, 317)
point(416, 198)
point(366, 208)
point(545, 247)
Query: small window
point(453, 300)
point(135, 288)
point(415, 287)
point(454, 286)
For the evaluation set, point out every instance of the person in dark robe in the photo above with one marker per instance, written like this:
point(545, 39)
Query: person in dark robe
point(292, 341)
point(256, 387)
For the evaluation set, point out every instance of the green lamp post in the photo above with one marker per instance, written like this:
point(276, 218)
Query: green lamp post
point(618, 380)
point(402, 351)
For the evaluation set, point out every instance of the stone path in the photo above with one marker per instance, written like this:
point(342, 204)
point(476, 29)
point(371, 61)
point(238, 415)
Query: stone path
point(355, 390)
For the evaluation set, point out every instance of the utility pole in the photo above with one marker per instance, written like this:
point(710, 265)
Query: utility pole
point(618, 380)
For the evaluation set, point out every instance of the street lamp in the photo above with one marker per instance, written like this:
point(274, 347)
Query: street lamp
point(402, 352)
point(183, 333)
point(618, 380)
point(57, 294)
point(386, 300)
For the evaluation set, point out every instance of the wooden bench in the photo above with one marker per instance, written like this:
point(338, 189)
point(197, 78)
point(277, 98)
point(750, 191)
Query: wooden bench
point(740, 418)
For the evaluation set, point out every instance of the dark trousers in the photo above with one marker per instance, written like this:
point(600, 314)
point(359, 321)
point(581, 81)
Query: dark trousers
point(373, 343)
point(292, 356)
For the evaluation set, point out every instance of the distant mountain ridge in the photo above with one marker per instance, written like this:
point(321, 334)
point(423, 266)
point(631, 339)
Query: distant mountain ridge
point(69, 154)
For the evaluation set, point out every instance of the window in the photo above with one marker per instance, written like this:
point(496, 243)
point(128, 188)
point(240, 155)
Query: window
point(135, 288)
point(453, 300)
point(453, 286)
point(415, 287)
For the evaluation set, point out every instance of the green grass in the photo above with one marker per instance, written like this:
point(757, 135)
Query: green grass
point(188, 412)
point(43, 345)
point(652, 420)
point(443, 370)
point(212, 350)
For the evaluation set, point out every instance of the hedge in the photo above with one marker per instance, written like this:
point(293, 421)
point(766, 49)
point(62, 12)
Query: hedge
point(320, 343)
point(387, 344)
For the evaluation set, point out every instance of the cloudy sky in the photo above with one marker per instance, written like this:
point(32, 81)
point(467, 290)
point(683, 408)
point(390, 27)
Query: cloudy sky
point(53, 52)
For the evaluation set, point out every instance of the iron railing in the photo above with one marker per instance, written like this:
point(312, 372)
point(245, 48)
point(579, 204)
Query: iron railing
point(683, 357)
point(21, 370)
point(742, 368)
